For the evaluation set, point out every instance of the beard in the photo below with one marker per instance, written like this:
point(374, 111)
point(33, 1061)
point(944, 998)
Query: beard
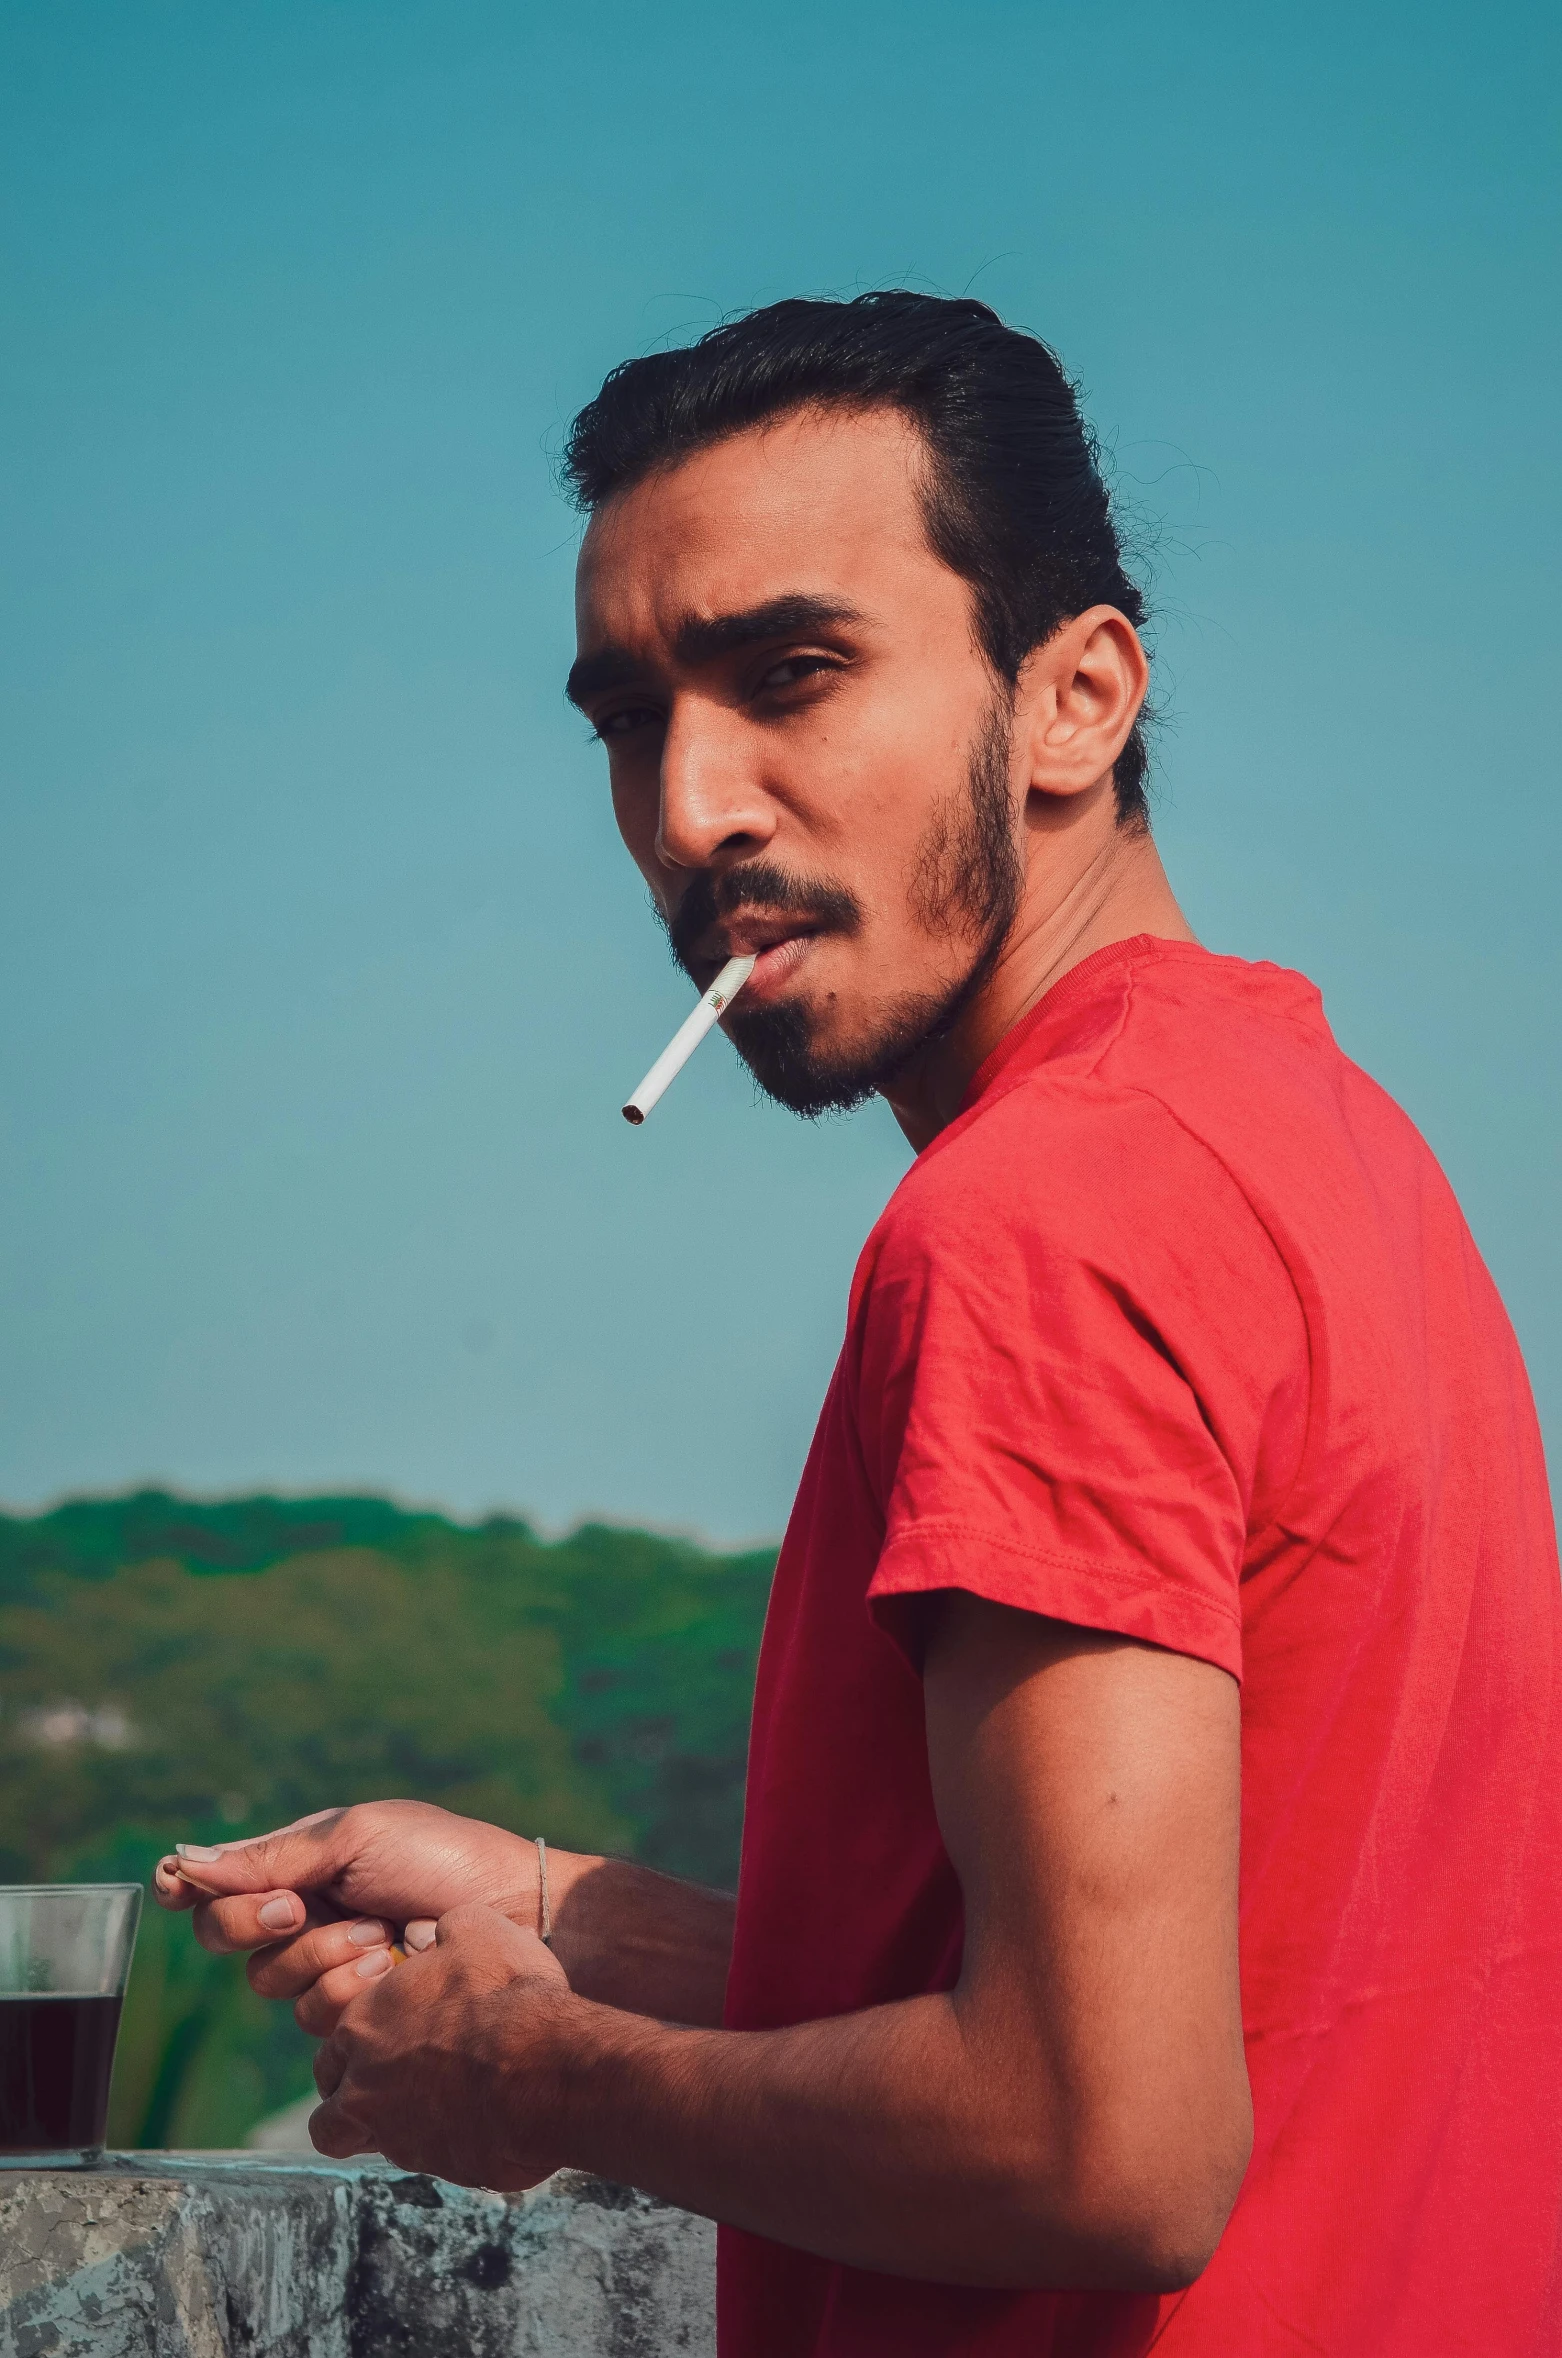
point(966, 880)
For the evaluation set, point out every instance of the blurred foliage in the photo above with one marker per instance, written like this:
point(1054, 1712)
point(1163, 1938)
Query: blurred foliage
point(179, 1671)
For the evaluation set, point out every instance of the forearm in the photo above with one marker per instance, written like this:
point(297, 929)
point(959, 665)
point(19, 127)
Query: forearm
point(1076, 2112)
point(878, 2139)
point(644, 1943)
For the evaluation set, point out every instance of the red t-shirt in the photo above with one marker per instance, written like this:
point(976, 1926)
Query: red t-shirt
point(1178, 1331)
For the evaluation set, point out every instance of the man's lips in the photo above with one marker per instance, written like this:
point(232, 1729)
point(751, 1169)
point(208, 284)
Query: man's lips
point(743, 937)
point(776, 944)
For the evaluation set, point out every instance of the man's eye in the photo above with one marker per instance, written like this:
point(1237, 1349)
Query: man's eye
point(791, 669)
point(633, 716)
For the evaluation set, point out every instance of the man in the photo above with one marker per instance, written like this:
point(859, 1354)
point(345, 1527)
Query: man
point(1150, 1921)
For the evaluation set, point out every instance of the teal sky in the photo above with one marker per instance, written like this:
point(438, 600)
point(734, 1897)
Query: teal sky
point(321, 973)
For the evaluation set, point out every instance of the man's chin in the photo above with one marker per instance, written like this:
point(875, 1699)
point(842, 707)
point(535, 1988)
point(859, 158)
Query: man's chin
point(778, 1046)
point(810, 1076)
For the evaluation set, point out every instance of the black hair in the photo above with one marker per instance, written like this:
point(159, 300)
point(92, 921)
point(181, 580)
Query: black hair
point(1015, 501)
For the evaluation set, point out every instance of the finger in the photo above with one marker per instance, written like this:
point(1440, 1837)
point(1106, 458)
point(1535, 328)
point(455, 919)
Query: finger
point(257, 1920)
point(330, 2067)
point(313, 1817)
point(169, 1888)
point(473, 1921)
point(322, 2005)
point(219, 1850)
point(302, 1857)
point(333, 2132)
point(421, 1933)
point(509, 1949)
point(291, 1967)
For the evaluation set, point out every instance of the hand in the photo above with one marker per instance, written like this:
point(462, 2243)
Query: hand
point(450, 2064)
point(320, 1901)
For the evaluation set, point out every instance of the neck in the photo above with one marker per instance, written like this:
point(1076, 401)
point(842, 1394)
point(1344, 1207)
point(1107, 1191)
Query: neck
point(1092, 884)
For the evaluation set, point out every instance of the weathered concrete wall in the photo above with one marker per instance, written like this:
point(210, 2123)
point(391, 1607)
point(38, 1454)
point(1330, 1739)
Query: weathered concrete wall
point(207, 2256)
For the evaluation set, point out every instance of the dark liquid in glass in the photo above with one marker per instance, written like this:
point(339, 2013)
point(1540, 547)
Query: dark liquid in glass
point(56, 2055)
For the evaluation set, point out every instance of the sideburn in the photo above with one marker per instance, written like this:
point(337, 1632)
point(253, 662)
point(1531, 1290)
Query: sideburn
point(968, 873)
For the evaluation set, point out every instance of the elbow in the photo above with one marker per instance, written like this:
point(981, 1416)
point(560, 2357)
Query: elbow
point(1152, 2222)
point(1139, 2222)
point(1161, 2246)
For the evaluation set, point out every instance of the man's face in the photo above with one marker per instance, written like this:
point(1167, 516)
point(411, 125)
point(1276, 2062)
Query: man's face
point(809, 755)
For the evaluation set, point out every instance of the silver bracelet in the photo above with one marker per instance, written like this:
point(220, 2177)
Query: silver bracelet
point(544, 1910)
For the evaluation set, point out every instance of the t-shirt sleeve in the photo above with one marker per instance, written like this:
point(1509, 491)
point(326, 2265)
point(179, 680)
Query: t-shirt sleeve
point(1072, 1372)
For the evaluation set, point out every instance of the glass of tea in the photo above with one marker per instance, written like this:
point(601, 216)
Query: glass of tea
point(64, 1961)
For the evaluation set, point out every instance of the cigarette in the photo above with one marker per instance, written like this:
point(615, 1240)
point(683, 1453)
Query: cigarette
point(688, 1036)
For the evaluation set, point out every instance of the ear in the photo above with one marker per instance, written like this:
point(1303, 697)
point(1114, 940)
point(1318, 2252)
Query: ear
point(1076, 699)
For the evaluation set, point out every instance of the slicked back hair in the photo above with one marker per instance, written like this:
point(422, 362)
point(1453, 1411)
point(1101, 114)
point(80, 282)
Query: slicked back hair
point(1014, 498)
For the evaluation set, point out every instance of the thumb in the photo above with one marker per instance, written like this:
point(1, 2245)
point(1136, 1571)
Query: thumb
point(495, 1942)
point(471, 1921)
point(300, 1857)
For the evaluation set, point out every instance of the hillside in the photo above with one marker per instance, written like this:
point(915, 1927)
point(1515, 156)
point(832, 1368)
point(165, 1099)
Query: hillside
point(177, 1670)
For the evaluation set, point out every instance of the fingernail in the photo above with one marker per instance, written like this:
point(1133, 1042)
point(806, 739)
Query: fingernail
point(378, 1961)
point(420, 1934)
point(367, 1935)
point(196, 1850)
point(279, 1915)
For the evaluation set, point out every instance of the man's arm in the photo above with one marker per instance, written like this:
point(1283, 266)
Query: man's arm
point(644, 1943)
point(1075, 2112)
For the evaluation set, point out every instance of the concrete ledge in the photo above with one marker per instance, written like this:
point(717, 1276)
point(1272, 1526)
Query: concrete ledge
point(184, 2255)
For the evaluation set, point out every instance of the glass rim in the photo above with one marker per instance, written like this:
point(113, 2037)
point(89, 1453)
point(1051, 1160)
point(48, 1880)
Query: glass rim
point(62, 1890)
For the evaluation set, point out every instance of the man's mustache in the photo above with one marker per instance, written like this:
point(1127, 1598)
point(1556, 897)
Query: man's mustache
point(758, 885)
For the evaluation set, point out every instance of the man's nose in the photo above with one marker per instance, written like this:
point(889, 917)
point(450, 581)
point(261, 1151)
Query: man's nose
point(713, 807)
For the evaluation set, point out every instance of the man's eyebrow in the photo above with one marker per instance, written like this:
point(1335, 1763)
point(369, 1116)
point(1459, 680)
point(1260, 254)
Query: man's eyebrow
point(704, 638)
point(609, 667)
